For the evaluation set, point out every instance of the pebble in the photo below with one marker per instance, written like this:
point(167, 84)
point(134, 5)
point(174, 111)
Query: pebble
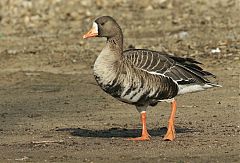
point(149, 8)
point(183, 34)
point(74, 60)
point(236, 58)
point(12, 51)
point(217, 50)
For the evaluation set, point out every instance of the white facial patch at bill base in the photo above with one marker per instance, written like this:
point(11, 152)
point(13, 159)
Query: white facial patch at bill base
point(95, 27)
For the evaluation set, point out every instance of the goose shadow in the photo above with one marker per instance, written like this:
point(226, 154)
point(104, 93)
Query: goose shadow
point(119, 132)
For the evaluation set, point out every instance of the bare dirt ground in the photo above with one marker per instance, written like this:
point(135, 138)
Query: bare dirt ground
point(51, 109)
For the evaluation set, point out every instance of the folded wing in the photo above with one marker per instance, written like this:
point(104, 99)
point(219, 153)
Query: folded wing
point(182, 70)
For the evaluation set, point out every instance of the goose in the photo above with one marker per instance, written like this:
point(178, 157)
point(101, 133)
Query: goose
point(144, 77)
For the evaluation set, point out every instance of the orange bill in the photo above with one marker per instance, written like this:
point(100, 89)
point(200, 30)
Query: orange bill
point(93, 32)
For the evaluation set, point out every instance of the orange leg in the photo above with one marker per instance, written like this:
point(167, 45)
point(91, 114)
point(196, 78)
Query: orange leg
point(170, 135)
point(145, 135)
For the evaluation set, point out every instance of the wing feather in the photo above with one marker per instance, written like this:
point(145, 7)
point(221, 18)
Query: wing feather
point(181, 70)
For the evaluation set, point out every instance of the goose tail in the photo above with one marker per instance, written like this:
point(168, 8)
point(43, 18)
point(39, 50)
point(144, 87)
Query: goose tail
point(195, 87)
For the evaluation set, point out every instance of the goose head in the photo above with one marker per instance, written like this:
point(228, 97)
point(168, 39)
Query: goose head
point(104, 26)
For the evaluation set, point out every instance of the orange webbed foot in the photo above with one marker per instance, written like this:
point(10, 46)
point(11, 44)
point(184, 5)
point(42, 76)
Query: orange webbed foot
point(144, 137)
point(170, 135)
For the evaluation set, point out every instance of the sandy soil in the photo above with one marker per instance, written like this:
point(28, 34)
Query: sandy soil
point(51, 109)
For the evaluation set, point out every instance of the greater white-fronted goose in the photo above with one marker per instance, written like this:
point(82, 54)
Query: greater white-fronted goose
point(144, 77)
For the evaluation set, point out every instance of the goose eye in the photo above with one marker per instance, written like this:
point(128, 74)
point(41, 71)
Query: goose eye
point(102, 23)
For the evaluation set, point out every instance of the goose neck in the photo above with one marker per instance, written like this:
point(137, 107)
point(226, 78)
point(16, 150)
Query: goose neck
point(116, 43)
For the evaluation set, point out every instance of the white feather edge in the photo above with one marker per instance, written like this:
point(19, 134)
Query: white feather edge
point(186, 88)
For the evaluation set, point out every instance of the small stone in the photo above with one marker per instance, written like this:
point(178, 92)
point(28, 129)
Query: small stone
point(81, 42)
point(183, 34)
point(88, 13)
point(35, 18)
point(26, 20)
point(217, 50)
point(236, 58)
point(149, 8)
point(12, 51)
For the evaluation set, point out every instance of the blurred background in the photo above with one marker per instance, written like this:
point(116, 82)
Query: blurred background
point(51, 109)
point(46, 35)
